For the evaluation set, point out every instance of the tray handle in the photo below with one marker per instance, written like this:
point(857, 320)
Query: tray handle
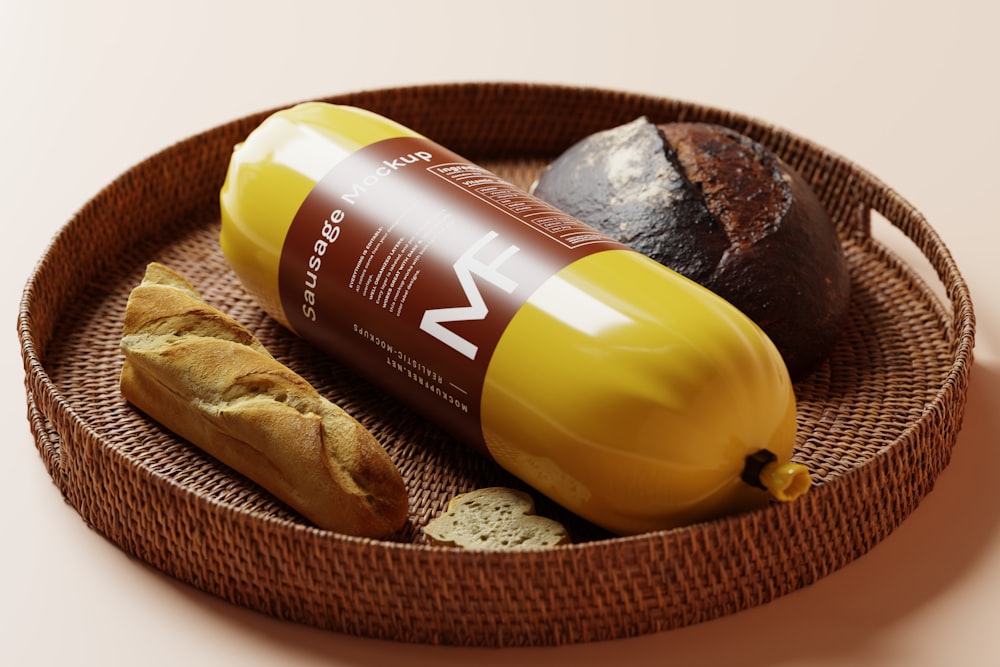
point(874, 196)
point(47, 442)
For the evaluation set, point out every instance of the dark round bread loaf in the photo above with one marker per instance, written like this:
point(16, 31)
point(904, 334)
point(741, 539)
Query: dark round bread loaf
point(722, 210)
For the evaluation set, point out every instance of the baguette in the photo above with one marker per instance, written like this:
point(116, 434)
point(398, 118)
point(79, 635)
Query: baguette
point(199, 373)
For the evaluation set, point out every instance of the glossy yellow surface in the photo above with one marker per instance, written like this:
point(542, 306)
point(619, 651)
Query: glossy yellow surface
point(633, 396)
point(622, 390)
point(270, 175)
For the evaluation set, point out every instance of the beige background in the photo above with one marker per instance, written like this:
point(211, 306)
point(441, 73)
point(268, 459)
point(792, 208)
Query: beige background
point(906, 89)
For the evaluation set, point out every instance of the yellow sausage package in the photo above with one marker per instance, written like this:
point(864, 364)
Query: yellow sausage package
point(620, 389)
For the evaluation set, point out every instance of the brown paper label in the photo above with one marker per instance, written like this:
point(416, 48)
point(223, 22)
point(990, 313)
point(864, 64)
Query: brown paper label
point(407, 262)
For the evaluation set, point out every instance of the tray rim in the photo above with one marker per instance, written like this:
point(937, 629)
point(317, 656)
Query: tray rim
point(48, 409)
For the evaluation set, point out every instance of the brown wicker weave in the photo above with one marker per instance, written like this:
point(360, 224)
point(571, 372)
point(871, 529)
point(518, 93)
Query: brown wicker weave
point(878, 421)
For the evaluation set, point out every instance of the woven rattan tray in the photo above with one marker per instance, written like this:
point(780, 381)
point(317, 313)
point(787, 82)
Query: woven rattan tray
point(878, 421)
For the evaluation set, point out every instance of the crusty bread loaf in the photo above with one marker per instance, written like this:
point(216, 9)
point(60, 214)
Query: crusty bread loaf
point(495, 518)
point(722, 210)
point(198, 372)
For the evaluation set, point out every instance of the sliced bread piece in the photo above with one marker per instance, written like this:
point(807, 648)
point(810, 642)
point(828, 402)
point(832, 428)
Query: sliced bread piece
point(495, 518)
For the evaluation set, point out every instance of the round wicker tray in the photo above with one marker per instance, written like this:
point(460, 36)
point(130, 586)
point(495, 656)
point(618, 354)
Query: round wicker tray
point(878, 420)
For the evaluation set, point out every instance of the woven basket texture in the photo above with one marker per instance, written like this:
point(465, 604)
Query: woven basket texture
point(878, 421)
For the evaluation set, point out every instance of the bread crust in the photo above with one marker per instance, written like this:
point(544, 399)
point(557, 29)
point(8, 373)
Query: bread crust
point(202, 375)
point(724, 211)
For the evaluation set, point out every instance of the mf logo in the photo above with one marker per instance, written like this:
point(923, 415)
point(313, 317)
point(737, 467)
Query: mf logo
point(467, 268)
